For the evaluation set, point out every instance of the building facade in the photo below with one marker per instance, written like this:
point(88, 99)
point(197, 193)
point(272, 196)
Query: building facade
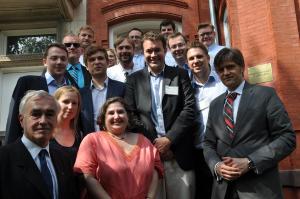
point(267, 32)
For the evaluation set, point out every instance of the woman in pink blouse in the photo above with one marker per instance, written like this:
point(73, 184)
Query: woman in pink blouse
point(116, 163)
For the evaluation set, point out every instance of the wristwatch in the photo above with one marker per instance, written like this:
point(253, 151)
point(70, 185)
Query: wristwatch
point(250, 164)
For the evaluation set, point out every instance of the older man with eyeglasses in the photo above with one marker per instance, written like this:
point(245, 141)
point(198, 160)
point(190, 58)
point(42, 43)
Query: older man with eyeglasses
point(207, 35)
point(78, 72)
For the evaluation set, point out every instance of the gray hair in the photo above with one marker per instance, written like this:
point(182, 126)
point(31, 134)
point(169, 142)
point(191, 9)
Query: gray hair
point(33, 94)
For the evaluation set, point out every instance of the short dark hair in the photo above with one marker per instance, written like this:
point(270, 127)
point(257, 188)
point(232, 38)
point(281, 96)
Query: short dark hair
point(153, 36)
point(167, 22)
point(197, 44)
point(57, 45)
point(101, 117)
point(174, 35)
point(136, 29)
point(91, 50)
point(204, 25)
point(229, 54)
point(120, 39)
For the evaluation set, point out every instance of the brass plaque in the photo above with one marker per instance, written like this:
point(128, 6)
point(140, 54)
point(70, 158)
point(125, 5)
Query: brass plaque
point(260, 73)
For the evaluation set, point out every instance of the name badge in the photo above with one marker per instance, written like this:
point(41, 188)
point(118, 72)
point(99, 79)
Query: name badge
point(171, 90)
point(203, 104)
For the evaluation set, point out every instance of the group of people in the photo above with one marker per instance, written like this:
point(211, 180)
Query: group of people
point(167, 119)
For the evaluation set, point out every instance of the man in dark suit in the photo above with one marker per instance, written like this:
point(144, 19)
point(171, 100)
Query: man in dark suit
point(162, 99)
point(55, 60)
point(99, 89)
point(77, 71)
point(29, 167)
point(248, 132)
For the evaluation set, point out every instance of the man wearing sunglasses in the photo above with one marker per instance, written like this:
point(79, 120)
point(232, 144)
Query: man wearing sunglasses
point(207, 35)
point(78, 72)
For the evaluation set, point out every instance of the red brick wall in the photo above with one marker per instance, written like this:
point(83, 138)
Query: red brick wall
point(101, 14)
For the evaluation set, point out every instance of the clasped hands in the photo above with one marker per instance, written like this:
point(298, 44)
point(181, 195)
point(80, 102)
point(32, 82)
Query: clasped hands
point(163, 146)
point(232, 168)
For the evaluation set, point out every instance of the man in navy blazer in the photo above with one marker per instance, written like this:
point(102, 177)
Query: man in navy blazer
point(100, 88)
point(55, 60)
point(24, 162)
point(243, 146)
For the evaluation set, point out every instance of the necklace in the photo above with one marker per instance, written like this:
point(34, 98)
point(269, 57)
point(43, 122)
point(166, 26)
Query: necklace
point(122, 137)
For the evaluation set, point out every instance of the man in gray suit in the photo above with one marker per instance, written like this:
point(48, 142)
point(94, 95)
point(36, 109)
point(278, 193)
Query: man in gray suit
point(248, 132)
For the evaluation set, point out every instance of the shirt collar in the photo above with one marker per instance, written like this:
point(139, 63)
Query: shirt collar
point(51, 80)
point(156, 75)
point(92, 86)
point(211, 46)
point(33, 148)
point(211, 78)
point(77, 66)
point(240, 88)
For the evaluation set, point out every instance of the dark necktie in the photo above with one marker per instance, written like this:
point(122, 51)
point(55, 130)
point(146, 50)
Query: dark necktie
point(228, 113)
point(45, 170)
point(126, 75)
point(74, 73)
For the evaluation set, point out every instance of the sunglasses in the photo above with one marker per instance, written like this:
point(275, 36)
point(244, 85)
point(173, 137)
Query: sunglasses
point(68, 45)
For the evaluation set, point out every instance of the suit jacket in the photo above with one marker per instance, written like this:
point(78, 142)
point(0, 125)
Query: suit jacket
point(86, 76)
point(21, 178)
point(114, 89)
point(24, 84)
point(263, 133)
point(178, 110)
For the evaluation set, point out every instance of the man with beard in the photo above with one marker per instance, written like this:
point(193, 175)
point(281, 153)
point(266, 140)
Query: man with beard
point(135, 34)
point(124, 48)
point(207, 35)
point(78, 72)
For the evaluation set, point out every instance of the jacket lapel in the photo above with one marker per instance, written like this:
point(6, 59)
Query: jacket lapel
point(146, 89)
point(29, 169)
point(242, 110)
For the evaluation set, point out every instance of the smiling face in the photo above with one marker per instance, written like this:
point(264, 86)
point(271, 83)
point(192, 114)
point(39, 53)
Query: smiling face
point(231, 74)
point(154, 53)
point(56, 62)
point(116, 119)
point(177, 46)
point(198, 61)
point(73, 46)
point(125, 52)
point(166, 30)
point(86, 38)
point(69, 103)
point(206, 36)
point(39, 119)
point(136, 37)
point(97, 64)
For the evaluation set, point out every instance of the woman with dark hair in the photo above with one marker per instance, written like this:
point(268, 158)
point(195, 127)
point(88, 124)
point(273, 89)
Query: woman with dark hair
point(66, 135)
point(115, 162)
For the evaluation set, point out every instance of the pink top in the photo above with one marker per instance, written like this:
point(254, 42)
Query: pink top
point(122, 175)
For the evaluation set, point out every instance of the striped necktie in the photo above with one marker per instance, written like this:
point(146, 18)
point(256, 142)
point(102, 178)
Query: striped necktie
point(74, 73)
point(228, 113)
point(45, 170)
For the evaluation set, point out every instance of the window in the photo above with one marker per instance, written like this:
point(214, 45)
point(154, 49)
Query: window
point(29, 44)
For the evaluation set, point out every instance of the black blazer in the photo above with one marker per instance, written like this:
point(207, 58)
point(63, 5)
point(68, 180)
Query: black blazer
point(178, 110)
point(20, 177)
point(24, 84)
point(114, 89)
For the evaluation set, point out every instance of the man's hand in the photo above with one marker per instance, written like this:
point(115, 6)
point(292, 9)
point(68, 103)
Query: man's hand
point(232, 168)
point(162, 144)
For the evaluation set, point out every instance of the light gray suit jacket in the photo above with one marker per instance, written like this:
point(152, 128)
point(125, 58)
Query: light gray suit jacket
point(264, 134)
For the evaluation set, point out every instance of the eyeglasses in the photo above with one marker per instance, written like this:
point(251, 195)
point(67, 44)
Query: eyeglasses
point(205, 33)
point(68, 45)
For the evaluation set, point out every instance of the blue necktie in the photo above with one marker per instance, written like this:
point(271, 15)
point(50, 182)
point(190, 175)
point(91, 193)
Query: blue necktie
point(74, 73)
point(45, 170)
